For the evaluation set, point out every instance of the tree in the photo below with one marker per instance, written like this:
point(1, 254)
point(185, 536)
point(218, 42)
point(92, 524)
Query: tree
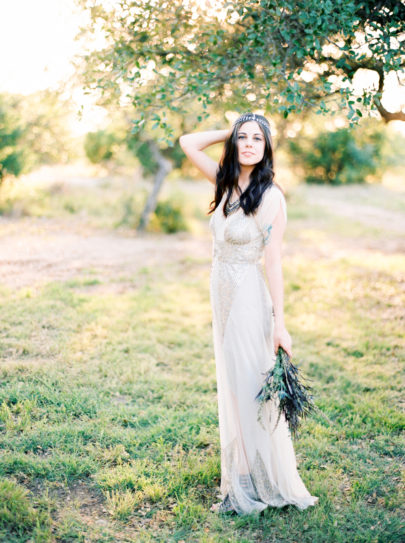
point(155, 160)
point(285, 56)
point(11, 156)
point(181, 59)
point(342, 156)
point(46, 116)
point(33, 130)
point(99, 146)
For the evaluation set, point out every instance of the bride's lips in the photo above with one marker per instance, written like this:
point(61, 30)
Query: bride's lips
point(247, 153)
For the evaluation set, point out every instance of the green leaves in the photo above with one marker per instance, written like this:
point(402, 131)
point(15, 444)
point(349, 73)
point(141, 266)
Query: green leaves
point(250, 47)
point(283, 384)
point(342, 156)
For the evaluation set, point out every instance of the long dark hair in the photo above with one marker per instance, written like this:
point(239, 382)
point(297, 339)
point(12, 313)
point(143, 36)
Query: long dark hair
point(228, 172)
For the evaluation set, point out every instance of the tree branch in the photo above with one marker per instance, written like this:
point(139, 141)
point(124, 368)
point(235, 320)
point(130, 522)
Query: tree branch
point(352, 65)
point(386, 115)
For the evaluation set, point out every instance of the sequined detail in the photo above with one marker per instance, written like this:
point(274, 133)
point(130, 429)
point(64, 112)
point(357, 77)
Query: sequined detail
point(247, 491)
point(230, 487)
point(228, 278)
point(241, 247)
point(266, 491)
point(236, 254)
point(226, 506)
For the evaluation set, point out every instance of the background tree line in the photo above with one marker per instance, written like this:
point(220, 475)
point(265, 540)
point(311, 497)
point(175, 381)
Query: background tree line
point(163, 76)
point(176, 64)
point(34, 130)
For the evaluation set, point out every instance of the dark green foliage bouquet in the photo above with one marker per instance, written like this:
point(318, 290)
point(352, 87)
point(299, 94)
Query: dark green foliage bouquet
point(284, 382)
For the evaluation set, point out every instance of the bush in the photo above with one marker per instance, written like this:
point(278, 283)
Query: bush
point(100, 146)
point(341, 157)
point(11, 156)
point(33, 131)
point(168, 217)
point(143, 151)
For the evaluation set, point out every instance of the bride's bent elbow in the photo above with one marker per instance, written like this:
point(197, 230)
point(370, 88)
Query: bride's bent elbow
point(183, 140)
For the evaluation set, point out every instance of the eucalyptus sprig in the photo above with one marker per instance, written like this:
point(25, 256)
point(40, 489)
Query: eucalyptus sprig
point(285, 383)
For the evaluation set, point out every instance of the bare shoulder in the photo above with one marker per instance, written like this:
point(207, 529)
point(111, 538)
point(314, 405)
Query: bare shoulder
point(273, 193)
point(272, 204)
point(276, 188)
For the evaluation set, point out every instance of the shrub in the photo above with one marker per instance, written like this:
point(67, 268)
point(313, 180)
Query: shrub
point(33, 131)
point(340, 157)
point(168, 217)
point(99, 146)
point(11, 156)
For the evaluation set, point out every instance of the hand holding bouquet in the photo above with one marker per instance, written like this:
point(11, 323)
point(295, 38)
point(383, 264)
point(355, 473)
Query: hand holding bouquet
point(283, 382)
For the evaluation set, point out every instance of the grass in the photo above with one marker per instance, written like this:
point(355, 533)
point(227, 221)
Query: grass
point(108, 411)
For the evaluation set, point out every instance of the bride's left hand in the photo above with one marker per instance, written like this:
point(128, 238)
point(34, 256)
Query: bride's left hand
point(282, 339)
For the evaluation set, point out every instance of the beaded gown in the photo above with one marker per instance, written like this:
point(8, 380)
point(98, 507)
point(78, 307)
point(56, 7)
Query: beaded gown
point(258, 463)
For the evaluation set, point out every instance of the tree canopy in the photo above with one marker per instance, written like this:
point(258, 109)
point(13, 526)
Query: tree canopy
point(165, 56)
point(11, 156)
point(33, 130)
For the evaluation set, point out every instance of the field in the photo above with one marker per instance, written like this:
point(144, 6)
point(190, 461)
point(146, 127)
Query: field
point(108, 413)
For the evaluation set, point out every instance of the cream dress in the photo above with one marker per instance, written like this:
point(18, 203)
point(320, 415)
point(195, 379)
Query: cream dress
point(258, 464)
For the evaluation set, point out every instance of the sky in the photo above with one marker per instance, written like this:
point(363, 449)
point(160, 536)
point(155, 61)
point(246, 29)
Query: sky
point(37, 43)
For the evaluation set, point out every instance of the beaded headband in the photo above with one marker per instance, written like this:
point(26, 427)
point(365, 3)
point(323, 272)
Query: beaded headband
point(253, 117)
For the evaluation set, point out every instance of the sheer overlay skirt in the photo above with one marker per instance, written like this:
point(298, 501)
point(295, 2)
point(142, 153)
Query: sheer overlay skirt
point(258, 463)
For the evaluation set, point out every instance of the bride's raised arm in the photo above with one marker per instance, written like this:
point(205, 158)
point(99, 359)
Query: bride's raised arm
point(193, 145)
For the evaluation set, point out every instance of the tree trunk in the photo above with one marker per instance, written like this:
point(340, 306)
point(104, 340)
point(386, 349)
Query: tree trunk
point(164, 167)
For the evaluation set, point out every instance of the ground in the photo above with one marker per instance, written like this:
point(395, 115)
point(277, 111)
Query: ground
point(108, 414)
point(40, 249)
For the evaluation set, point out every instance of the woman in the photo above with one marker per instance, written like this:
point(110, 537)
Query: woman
point(258, 464)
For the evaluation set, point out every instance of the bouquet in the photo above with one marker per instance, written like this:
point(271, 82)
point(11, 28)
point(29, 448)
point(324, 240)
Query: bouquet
point(285, 383)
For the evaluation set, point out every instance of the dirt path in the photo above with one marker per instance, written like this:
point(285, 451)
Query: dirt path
point(47, 250)
point(371, 205)
point(38, 250)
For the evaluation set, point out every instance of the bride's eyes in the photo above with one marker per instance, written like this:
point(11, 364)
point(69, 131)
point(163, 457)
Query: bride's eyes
point(256, 138)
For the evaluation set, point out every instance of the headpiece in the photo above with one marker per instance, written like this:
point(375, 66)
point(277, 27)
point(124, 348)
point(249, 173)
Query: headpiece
point(253, 117)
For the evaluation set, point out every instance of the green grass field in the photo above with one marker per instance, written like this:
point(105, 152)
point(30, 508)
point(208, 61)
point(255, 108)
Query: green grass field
point(108, 413)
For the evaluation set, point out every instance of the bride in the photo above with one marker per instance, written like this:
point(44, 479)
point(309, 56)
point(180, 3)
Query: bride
point(248, 220)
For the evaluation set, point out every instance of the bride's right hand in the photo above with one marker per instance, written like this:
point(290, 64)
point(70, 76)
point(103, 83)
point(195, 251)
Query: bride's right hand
point(282, 339)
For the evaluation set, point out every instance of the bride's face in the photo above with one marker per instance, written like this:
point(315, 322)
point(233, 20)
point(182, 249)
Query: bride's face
point(250, 143)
